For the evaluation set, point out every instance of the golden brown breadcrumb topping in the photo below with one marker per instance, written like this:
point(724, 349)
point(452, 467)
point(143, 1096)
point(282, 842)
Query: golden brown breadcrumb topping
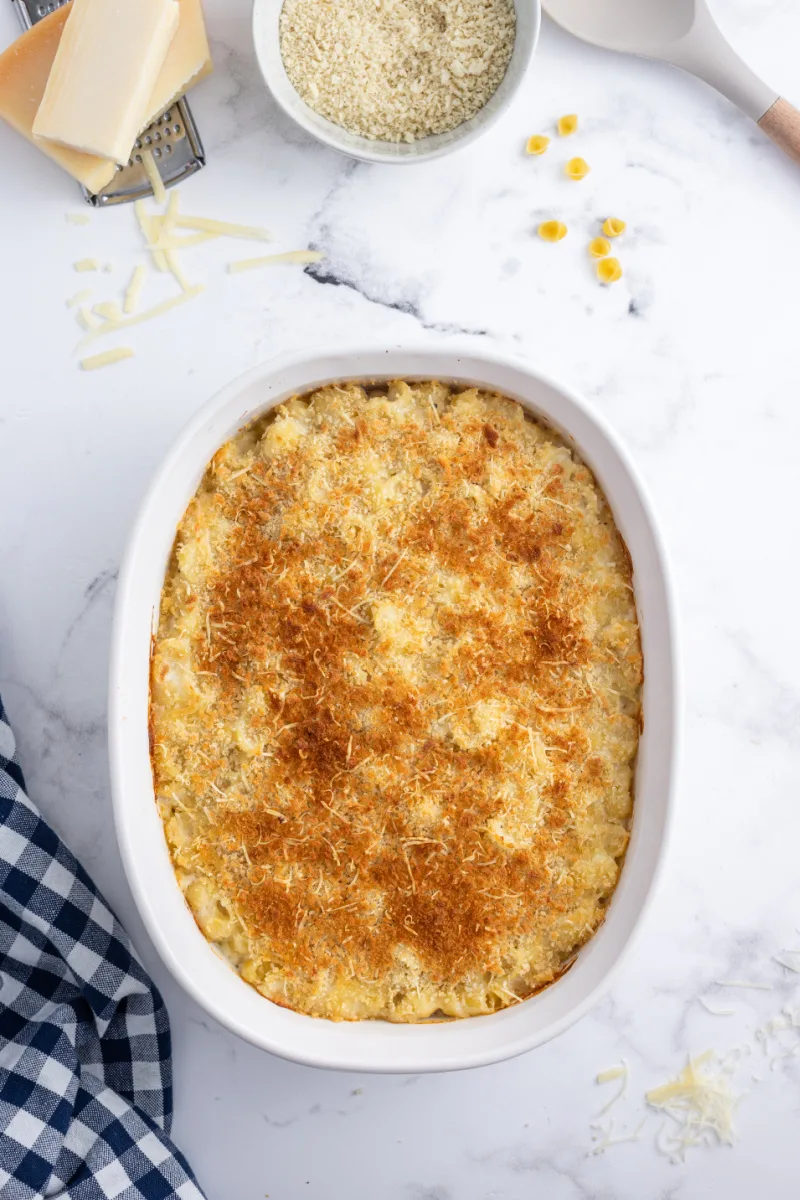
point(395, 702)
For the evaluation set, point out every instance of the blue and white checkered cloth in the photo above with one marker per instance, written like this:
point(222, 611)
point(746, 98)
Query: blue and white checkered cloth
point(85, 1066)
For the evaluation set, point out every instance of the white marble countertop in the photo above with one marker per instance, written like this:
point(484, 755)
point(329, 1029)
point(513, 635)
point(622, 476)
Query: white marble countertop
point(695, 359)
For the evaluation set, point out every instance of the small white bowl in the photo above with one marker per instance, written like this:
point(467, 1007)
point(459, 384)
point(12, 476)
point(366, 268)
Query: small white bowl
point(266, 38)
point(378, 1045)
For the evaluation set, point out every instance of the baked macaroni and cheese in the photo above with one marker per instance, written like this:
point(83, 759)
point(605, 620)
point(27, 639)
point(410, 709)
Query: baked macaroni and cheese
point(395, 703)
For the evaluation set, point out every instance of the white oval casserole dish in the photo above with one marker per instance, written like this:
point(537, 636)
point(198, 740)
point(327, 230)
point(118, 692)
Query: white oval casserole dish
point(379, 1045)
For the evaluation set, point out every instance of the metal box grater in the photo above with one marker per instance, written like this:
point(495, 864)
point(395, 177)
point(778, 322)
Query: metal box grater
point(172, 137)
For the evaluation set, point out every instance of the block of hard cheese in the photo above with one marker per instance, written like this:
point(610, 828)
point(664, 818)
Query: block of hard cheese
point(106, 66)
point(188, 60)
point(24, 71)
point(26, 64)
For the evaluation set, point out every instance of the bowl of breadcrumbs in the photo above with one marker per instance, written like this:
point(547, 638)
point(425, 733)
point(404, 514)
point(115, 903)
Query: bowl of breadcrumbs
point(394, 80)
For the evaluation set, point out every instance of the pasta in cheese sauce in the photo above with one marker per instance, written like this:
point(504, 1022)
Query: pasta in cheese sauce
point(395, 703)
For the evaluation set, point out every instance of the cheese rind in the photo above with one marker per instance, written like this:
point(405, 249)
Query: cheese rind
point(106, 66)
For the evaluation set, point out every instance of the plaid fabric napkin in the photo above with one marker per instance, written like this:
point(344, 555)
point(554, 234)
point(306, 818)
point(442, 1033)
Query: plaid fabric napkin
point(85, 1067)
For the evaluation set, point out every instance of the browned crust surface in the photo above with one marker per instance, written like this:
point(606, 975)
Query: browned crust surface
point(396, 703)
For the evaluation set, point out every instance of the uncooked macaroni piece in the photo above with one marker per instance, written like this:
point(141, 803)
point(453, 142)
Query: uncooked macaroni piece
point(552, 231)
point(395, 703)
point(577, 168)
point(599, 247)
point(609, 270)
point(537, 143)
point(567, 125)
point(613, 227)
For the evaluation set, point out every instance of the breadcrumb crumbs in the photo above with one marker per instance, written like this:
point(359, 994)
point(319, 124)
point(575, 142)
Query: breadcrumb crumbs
point(552, 231)
point(613, 227)
point(537, 144)
point(577, 168)
point(567, 125)
point(397, 70)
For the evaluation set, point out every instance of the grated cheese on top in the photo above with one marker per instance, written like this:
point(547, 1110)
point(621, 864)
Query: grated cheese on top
point(395, 703)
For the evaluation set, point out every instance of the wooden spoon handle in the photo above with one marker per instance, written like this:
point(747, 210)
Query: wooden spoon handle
point(781, 122)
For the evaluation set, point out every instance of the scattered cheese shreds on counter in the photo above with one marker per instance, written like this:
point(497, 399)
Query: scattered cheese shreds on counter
point(620, 1072)
point(552, 231)
point(298, 257)
point(609, 1140)
point(86, 264)
point(701, 1102)
point(108, 310)
point(611, 1074)
point(152, 173)
point(613, 227)
point(77, 218)
point(716, 1012)
point(79, 298)
point(567, 125)
point(744, 983)
point(577, 168)
point(106, 358)
point(87, 319)
point(782, 962)
point(224, 228)
point(537, 144)
point(609, 270)
point(183, 243)
point(599, 247)
point(149, 313)
point(167, 222)
point(146, 226)
point(177, 270)
point(134, 290)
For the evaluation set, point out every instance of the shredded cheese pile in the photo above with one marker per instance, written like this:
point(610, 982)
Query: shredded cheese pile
point(701, 1102)
point(167, 234)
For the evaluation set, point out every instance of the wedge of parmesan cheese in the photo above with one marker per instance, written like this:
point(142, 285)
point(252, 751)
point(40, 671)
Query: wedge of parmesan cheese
point(111, 52)
point(25, 68)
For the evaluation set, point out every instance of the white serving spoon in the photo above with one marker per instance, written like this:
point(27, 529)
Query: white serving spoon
point(683, 33)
